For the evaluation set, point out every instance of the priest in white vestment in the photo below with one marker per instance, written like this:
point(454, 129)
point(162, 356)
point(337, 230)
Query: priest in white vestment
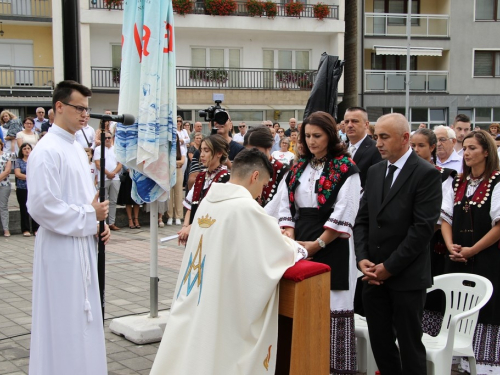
point(224, 318)
point(67, 336)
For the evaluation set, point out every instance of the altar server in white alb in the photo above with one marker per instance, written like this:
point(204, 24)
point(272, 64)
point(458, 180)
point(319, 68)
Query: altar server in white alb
point(224, 318)
point(67, 336)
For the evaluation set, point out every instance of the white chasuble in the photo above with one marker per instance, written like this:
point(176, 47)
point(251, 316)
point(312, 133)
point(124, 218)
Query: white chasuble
point(224, 315)
point(67, 336)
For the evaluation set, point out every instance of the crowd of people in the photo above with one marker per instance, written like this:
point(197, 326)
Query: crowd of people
point(398, 207)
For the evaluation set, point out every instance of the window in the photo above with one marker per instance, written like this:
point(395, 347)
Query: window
point(215, 57)
point(429, 116)
point(400, 7)
point(487, 10)
point(286, 59)
point(486, 63)
point(392, 62)
point(116, 56)
point(482, 117)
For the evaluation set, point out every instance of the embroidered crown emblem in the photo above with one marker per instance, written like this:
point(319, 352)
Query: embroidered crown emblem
point(206, 221)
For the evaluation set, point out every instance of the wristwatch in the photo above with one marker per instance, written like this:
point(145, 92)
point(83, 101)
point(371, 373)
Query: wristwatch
point(321, 243)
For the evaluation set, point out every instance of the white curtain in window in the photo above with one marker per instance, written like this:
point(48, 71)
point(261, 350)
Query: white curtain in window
point(268, 62)
point(302, 60)
point(285, 59)
point(216, 58)
point(198, 57)
point(234, 58)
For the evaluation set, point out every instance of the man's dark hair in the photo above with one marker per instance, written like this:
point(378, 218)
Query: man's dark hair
point(462, 118)
point(294, 130)
point(249, 160)
point(64, 89)
point(259, 136)
point(351, 109)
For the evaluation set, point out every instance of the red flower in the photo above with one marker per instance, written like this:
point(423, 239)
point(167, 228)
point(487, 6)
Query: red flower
point(321, 199)
point(322, 180)
point(344, 168)
point(339, 157)
point(336, 177)
point(327, 185)
point(291, 197)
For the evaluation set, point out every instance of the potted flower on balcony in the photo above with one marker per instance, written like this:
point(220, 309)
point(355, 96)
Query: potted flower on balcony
point(219, 75)
point(304, 82)
point(116, 4)
point(182, 7)
point(271, 9)
point(293, 9)
point(220, 7)
point(320, 11)
point(255, 8)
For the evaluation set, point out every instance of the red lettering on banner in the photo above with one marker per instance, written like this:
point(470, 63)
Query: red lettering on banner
point(138, 42)
point(170, 36)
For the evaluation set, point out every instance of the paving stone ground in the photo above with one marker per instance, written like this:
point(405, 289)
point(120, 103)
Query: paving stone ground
point(127, 292)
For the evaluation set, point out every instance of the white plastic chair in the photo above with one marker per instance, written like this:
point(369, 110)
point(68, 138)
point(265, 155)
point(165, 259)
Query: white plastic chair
point(366, 361)
point(465, 294)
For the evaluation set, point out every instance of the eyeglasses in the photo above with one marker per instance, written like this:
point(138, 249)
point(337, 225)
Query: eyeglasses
point(443, 139)
point(281, 131)
point(269, 126)
point(107, 137)
point(242, 126)
point(79, 108)
point(40, 112)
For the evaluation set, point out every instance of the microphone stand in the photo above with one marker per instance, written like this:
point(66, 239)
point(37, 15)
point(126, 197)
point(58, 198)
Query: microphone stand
point(101, 257)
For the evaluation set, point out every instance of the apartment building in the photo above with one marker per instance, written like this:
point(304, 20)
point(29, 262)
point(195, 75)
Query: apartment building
point(454, 63)
point(265, 67)
point(26, 55)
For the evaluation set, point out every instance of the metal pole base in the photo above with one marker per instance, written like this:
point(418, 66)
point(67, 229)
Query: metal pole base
point(153, 296)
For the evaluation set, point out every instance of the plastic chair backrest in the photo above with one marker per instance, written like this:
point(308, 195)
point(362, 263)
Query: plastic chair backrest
point(463, 292)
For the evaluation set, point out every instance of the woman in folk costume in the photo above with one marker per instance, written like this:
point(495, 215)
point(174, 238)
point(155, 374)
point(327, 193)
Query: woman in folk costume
point(319, 212)
point(262, 139)
point(213, 153)
point(424, 143)
point(471, 231)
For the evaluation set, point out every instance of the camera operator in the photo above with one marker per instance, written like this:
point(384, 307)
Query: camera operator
point(226, 131)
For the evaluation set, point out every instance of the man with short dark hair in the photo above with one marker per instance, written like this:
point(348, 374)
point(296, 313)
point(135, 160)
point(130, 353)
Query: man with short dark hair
point(67, 335)
point(362, 148)
point(230, 280)
point(395, 222)
point(461, 126)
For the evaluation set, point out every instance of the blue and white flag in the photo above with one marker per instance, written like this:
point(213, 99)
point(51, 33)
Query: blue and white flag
point(148, 91)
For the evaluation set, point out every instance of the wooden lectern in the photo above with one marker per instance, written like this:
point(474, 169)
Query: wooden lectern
point(304, 320)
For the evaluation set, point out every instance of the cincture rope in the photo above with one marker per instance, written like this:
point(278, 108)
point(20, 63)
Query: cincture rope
point(85, 266)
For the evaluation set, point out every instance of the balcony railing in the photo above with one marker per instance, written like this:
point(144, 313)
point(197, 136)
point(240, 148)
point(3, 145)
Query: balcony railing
point(394, 81)
point(220, 78)
point(394, 24)
point(15, 78)
point(29, 9)
point(241, 10)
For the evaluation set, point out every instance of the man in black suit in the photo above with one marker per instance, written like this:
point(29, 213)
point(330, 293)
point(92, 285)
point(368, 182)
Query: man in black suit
point(362, 148)
point(395, 222)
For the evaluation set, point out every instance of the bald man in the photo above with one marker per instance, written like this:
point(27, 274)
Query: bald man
point(293, 125)
point(395, 222)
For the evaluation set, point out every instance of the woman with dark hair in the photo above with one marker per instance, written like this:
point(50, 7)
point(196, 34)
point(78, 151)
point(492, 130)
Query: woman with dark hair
point(424, 143)
point(22, 189)
point(471, 230)
point(319, 211)
point(214, 152)
point(27, 135)
point(262, 139)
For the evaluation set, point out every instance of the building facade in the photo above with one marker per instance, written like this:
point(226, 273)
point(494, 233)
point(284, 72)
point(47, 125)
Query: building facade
point(454, 63)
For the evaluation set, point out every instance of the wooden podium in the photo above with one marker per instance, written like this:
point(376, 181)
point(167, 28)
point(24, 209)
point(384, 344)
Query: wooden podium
point(304, 320)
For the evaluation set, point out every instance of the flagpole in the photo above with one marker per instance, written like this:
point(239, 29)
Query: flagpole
point(101, 257)
point(153, 267)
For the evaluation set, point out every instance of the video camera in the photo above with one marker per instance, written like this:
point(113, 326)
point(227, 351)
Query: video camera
point(215, 113)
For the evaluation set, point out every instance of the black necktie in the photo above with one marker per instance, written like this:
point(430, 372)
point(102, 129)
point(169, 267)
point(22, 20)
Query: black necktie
point(388, 180)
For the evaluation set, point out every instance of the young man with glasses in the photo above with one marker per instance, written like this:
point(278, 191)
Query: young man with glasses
point(447, 157)
point(63, 200)
point(238, 137)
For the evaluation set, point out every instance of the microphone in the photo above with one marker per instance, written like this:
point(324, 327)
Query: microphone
point(125, 119)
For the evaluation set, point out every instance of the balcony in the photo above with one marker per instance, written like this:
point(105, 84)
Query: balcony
point(220, 78)
point(25, 78)
point(393, 81)
point(27, 10)
point(241, 9)
point(394, 25)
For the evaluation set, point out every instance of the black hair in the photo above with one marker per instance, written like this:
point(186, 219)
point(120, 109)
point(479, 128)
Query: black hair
point(326, 122)
point(431, 139)
point(249, 160)
point(462, 118)
point(64, 89)
point(259, 136)
point(20, 153)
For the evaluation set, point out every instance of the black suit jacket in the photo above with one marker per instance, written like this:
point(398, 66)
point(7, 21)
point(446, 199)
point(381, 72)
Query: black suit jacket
point(397, 231)
point(366, 156)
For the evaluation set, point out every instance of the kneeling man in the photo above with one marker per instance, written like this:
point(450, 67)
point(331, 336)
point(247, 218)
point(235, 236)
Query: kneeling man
point(224, 318)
